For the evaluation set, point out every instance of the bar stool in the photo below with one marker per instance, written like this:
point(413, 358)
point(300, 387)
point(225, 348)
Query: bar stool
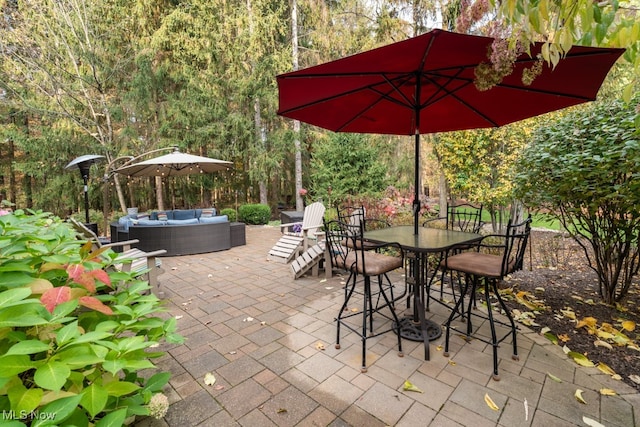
point(480, 267)
point(348, 251)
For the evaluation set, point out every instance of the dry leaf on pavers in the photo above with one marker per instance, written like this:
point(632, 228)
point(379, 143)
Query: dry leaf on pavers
point(439, 347)
point(179, 316)
point(578, 396)
point(410, 387)
point(210, 276)
point(635, 378)
point(605, 369)
point(320, 345)
point(209, 379)
point(490, 403)
point(607, 392)
point(580, 359)
point(452, 363)
point(281, 411)
point(328, 288)
point(526, 409)
point(248, 319)
point(591, 423)
point(553, 377)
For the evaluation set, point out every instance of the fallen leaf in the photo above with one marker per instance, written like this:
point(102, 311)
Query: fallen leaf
point(452, 363)
point(179, 316)
point(635, 378)
point(320, 346)
point(553, 377)
point(526, 409)
point(328, 288)
point(551, 337)
point(439, 347)
point(580, 359)
point(564, 337)
point(219, 387)
point(607, 392)
point(490, 403)
point(323, 280)
point(248, 319)
point(587, 321)
point(616, 377)
point(410, 387)
point(578, 396)
point(281, 410)
point(600, 343)
point(209, 379)
point(569, 313)
point(605, 369)
point(591, 423)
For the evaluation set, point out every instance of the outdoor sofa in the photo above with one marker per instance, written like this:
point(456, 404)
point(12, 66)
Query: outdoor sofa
point(180, 232)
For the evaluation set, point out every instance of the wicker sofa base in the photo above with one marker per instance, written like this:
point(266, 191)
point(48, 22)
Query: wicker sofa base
point(181, 239)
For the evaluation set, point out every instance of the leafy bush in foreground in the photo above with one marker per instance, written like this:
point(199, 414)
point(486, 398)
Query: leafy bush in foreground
point(74, 332)
point(583, 170)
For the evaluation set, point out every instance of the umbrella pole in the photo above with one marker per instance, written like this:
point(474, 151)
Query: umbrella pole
point(416, 188)
point(416, 196)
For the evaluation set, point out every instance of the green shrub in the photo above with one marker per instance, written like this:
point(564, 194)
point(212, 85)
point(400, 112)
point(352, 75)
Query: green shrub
point(231, 213)
point(76, 332)
point(254, 213)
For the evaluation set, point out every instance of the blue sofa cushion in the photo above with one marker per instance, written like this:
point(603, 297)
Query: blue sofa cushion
point(214, 219)
point(148, 223)
point(185, 214)
point(182, 221)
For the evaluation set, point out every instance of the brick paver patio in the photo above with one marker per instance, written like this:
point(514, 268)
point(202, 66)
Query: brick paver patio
point(269, 341)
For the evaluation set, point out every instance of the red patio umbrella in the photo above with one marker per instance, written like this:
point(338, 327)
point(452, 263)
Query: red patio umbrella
point(426, 84)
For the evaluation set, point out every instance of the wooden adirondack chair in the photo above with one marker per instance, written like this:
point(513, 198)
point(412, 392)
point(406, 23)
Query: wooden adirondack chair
point(297, 234)
point(142, 264)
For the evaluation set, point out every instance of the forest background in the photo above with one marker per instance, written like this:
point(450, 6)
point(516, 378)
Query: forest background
point(121, 78)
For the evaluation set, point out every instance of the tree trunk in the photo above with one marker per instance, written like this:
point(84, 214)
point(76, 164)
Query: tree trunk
point(159, 197)
point(444, 194)
point(296, 123)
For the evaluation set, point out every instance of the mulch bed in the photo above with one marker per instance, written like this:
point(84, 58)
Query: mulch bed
point(557, 277)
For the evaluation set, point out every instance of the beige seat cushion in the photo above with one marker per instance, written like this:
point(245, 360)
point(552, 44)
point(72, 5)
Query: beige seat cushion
point(375, 263)
point(475, 263)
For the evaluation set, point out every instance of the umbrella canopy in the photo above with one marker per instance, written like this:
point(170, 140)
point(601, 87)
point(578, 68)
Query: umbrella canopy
point(426, 84)
point(175, 164)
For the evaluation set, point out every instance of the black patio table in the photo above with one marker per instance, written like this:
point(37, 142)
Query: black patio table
point(427, 242)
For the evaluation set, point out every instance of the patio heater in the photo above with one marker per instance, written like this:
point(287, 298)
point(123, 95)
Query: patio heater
point(84, 164)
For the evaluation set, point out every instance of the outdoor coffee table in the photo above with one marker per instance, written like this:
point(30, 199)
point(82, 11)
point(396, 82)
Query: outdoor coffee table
point(427, 242)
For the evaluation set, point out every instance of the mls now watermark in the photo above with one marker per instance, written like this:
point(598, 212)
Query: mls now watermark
point(28, 415)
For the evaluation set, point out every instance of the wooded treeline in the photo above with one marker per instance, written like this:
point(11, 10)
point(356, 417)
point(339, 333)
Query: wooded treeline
point(121, 78)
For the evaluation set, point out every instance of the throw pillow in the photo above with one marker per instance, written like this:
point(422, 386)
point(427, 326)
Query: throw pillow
point(162, 216)
point(208, 212)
